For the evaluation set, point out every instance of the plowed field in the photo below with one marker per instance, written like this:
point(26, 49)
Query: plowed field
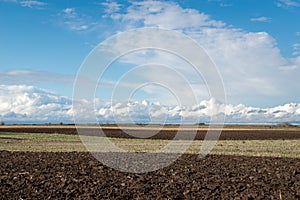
point(79, 176)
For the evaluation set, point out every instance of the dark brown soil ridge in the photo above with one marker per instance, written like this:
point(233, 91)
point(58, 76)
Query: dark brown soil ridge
point(168, 134)
point(28, 175)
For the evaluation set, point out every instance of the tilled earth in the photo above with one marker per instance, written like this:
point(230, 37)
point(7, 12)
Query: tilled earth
point(271, 134)
point(28, 175)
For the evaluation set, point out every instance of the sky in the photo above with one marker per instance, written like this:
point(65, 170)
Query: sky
point(255, 45)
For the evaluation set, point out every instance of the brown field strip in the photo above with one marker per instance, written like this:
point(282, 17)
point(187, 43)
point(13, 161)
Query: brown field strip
point(229, 133)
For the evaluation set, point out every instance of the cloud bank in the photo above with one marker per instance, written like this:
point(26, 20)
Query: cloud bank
point(27, 104)
point(20, 103)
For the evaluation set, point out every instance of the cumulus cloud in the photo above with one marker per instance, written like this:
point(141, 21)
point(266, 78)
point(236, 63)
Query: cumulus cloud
point(20, 103)
point(165, 15)
point(250, 62)
point(144, 112)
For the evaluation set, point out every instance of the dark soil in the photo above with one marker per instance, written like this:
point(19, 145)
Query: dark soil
point(271, 134)
point(25, 175)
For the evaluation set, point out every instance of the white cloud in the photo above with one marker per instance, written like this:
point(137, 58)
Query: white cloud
point(29, 104)
point(296, 48)
point(78, 27)
point(33, 4)
point(250, 62)
point(288, 3)
point(289, 68)
point(75, 21)
point(225, 5)
point(70, 12)
point(165, 15)
point(28, 3)
point(111, 7)
point(260, 19)
point(20, 103)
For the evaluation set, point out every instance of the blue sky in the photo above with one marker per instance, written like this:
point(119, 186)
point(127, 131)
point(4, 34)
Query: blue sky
point(280, 22)
point(43, 43)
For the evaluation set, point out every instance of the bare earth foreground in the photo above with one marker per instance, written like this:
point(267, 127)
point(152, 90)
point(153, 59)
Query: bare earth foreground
point(78, 175)
point(31, 175)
